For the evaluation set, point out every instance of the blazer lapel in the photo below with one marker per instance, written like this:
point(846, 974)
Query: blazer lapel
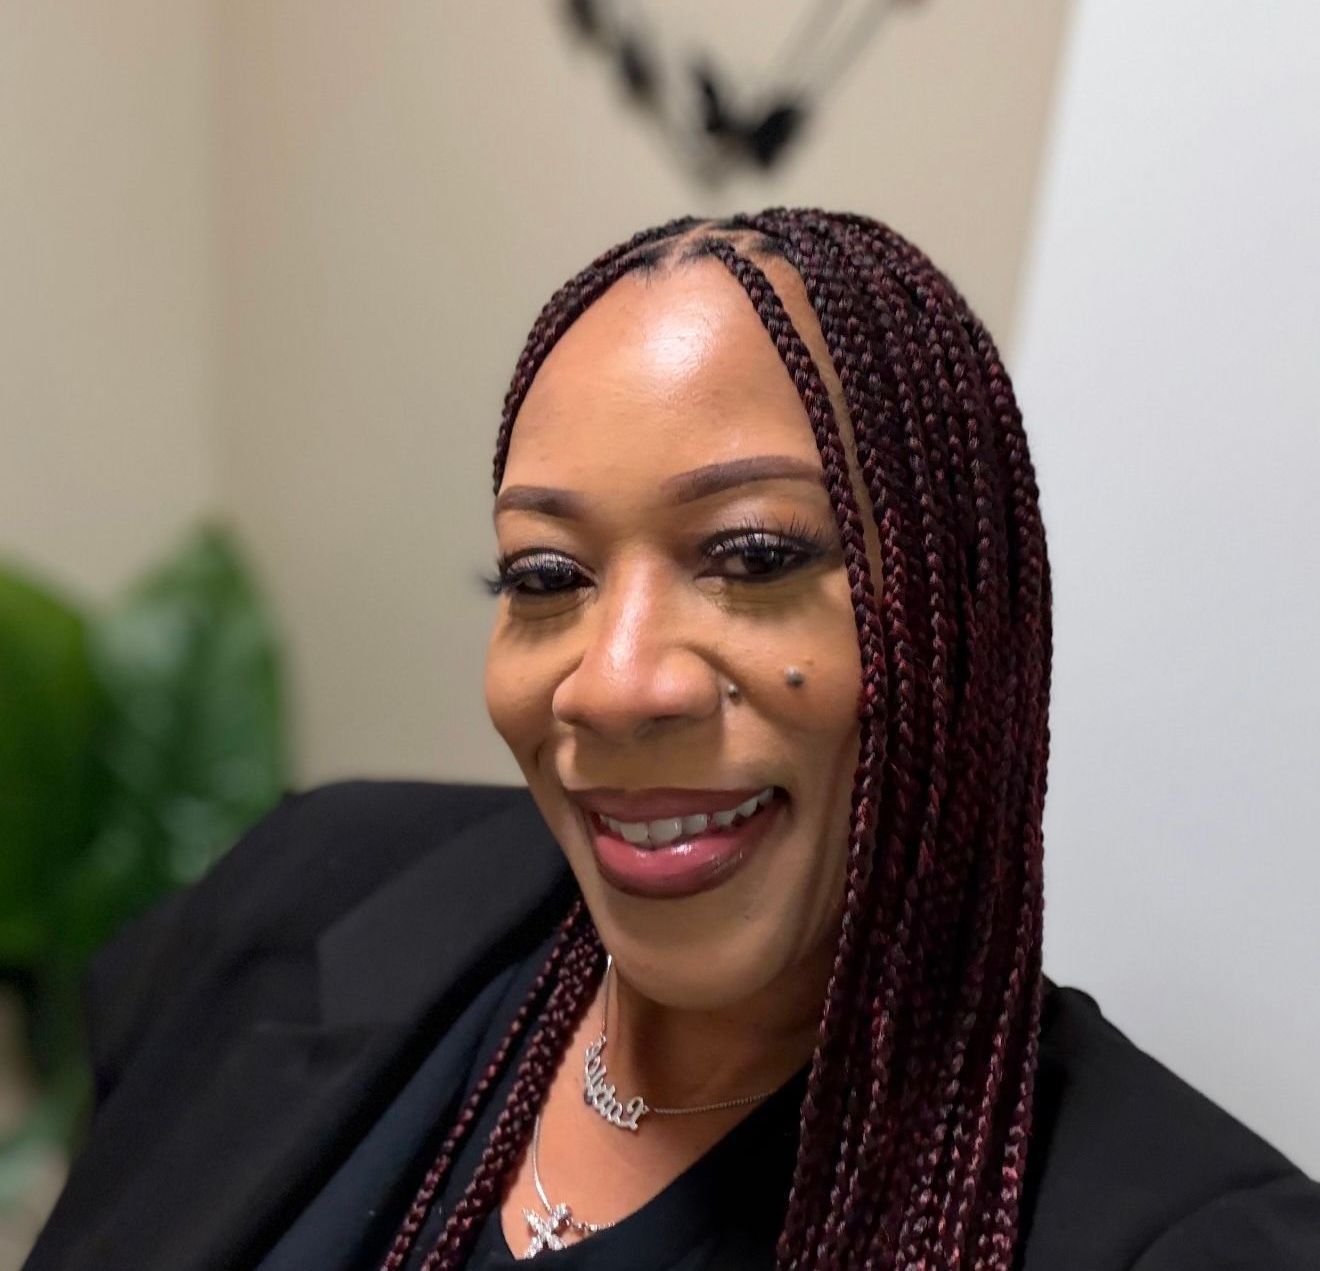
point(443, 923)
point(240, 1108)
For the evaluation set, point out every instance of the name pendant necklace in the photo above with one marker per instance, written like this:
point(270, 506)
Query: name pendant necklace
point(548, 1229)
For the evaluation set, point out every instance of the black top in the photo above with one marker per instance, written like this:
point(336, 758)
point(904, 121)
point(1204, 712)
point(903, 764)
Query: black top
point(277, 1048)
point(724, 1210)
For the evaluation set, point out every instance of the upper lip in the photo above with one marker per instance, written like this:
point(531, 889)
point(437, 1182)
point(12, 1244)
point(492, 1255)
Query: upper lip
point(661, 801)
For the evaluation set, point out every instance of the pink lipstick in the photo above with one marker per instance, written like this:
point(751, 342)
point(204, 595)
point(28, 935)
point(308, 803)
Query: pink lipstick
point(689, 864)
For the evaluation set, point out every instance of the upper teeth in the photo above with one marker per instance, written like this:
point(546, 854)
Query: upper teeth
point(669, 828)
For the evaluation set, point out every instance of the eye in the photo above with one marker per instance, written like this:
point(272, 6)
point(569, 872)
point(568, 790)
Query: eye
point(533, 575)
point(767, 554)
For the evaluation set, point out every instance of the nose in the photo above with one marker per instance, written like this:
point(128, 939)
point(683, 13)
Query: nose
point(643, 662)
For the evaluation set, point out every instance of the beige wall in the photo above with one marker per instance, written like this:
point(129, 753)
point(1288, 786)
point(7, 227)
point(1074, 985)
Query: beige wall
point(107, 281)
point(285, 254)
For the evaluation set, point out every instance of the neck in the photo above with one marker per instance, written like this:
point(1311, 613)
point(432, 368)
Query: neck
point(679, 1058)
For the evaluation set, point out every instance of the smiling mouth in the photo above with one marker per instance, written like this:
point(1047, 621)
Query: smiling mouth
point(681, 861)
point(663, 831)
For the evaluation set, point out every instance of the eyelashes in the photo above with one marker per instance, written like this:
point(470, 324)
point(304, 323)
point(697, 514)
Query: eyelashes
point(512, 572)
point(772, 552)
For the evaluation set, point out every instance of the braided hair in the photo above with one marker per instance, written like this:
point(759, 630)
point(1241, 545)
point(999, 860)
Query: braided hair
point(917, 1112)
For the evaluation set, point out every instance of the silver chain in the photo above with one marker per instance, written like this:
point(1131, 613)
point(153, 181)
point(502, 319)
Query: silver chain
point(672, 1112)
point(546, 1231)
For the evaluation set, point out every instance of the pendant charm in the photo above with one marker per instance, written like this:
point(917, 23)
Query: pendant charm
point(546, 1231)
point(599, 1094)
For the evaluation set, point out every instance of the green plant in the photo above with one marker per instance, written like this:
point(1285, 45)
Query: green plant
point(136, 744)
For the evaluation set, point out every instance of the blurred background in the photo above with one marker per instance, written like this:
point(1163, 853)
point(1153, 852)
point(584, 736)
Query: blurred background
point(264, 270)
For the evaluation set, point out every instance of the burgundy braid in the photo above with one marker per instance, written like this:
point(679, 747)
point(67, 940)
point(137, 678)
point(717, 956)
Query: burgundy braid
point(824, 1097)
point(567, 939)
point(865, 393)
point(1032, 581)
point(572, 994)
point(905, 351)
point(916, 1119)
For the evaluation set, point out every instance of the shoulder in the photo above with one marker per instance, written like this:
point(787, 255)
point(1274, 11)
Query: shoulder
point(323, 849)
point(328, 844)
point(314, 857)
point(1131, 1167)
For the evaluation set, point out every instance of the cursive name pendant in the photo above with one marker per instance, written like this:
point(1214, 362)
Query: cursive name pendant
point(598, 1093)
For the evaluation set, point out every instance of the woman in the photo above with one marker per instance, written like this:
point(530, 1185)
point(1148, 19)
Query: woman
point(750, 975)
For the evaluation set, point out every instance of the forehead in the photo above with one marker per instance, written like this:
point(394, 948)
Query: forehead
point(662, 374)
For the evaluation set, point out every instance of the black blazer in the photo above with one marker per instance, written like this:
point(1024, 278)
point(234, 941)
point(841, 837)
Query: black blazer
point(247, 1031)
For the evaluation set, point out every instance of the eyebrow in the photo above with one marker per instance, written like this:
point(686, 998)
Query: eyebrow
point(685, 487)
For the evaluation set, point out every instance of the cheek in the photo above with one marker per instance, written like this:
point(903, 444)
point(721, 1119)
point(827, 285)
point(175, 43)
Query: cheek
point(823, 710)
point(822, 718)
point(515, 700)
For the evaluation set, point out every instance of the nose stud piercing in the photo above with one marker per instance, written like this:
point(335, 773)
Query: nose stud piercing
point(734, 692)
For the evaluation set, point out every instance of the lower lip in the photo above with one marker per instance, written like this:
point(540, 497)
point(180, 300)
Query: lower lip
point(687, 865)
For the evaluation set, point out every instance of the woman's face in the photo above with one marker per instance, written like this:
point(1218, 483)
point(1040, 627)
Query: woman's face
point(638, 593)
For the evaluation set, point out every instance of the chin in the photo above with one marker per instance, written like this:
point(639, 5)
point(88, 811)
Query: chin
point(705, 953)
point(715, 948)
point(711, 976)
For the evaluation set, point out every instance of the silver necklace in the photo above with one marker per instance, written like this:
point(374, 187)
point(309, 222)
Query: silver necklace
point(598, 1093)
point(549, 1229)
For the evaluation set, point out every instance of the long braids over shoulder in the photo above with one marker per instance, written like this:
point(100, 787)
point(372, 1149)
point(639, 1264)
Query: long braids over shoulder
point(917, 1113)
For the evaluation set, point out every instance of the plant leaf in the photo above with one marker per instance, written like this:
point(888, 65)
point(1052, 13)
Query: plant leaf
point(51, 711)
point(196, 752)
